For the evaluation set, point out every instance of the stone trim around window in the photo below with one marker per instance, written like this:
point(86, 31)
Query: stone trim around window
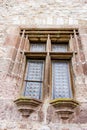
point(48, 36)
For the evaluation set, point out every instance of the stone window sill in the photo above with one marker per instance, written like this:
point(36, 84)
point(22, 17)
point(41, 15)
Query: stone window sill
point(64, 107)
point(27, 105)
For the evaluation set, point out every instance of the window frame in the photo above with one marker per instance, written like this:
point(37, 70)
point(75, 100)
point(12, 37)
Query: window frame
point(52, 56)
point(28, 105)
point(33, 56)
point(70, 80)
point(25, 80)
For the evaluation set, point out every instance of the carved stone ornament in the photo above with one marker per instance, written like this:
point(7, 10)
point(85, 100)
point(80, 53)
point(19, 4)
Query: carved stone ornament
point(64, 107)
point(27, 105)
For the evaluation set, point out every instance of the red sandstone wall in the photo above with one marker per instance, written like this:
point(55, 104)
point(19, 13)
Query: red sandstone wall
point(11, 76)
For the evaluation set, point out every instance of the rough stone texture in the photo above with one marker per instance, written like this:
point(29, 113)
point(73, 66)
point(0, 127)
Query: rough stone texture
point(39, 13)
point(32, 13)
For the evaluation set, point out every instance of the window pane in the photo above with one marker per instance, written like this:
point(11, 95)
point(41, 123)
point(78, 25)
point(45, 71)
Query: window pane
point(35, 70)
point(37, 47)
point(33, 90)
point(59, 47)
point(60, 80)
point(33, 86)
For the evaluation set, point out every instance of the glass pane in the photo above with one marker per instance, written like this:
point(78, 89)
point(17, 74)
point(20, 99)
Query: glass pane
point(33, 90)
point(60, 80)
point(37, 47)
point(59, 47)
point(35, 70)
point(33, 86)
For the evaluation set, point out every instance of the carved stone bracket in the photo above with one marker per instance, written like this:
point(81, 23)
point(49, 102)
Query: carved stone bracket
point(64, 107)
point(27, 105)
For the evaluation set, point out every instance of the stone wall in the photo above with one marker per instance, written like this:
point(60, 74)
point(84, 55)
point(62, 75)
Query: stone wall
point(32, 13)
point(40, 13)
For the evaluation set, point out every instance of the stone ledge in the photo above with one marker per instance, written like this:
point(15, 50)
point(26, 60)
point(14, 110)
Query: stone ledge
point(35, 54)
point(61, 55)
point(64, 107)
point(27, 105)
